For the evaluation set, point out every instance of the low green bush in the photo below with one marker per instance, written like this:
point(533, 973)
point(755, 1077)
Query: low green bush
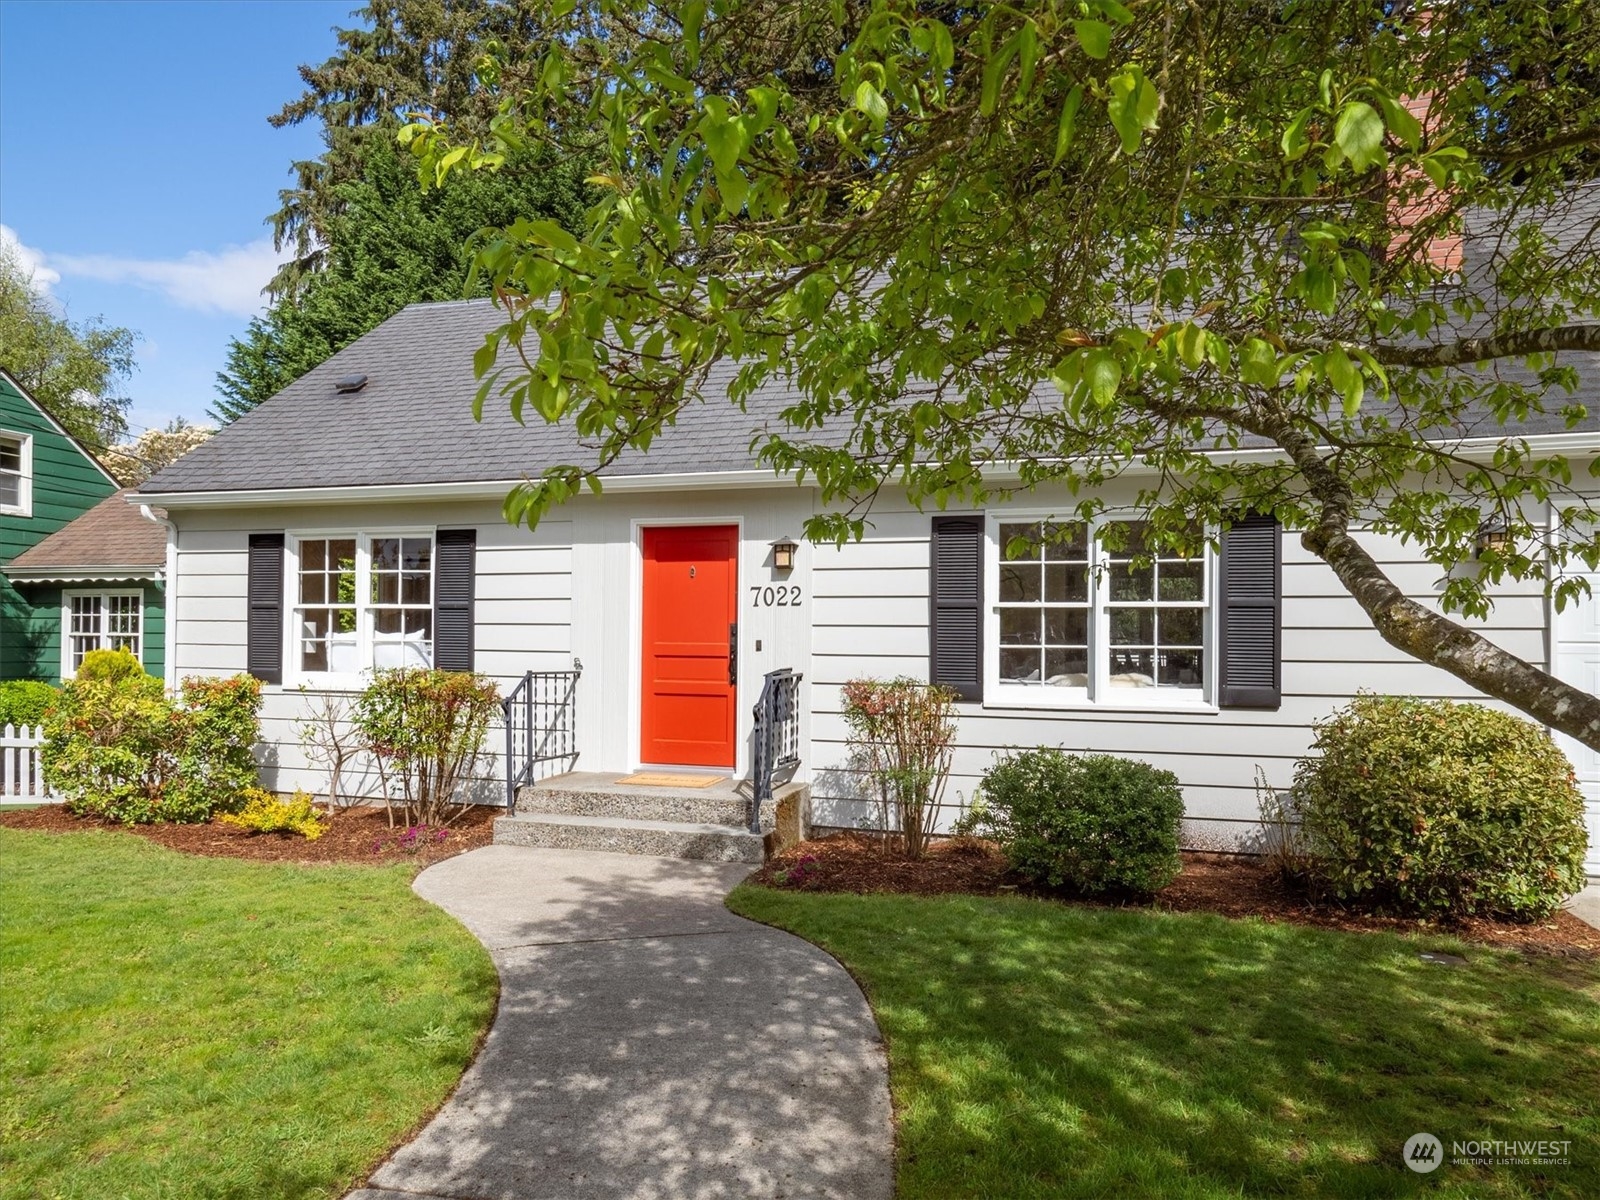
point(426, 731)
point(109, 666)
point(262, 812)
point(1094, 823)
point(25, 701)
point(117, 746)
point(1430, 807)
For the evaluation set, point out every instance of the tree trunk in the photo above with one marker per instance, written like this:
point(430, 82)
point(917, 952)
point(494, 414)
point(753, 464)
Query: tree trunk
point(1414, 628)
point(1433, 638)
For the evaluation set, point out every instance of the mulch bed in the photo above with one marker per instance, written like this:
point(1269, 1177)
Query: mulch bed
point(1227, 884)
point(354, 835)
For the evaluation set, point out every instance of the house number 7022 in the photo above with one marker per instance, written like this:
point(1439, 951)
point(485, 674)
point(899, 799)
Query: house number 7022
point(784, 595)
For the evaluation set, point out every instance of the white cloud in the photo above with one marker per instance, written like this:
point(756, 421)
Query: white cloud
point(31, 260)
point(228, 281)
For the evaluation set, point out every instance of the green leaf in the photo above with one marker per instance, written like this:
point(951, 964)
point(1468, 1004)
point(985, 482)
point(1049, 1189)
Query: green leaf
point(1068, 123)
point(1103, 373)
point(1401, 122)
point(870, 101)
point(1094, 37)
point(1359, 134)
point(1192, 345)
point(1258, 363)
point(1133, 106)
point(1345, 378)
point(1295, 140)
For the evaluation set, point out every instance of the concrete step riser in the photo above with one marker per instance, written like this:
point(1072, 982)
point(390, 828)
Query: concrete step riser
point(699, 810)
point(663, 843)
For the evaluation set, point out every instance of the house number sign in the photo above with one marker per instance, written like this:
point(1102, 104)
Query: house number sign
point(783, 595)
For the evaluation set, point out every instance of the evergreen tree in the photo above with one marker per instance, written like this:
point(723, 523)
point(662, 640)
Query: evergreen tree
point(364, 238)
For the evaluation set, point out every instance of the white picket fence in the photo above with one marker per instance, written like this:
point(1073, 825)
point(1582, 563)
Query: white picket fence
point(21, 776)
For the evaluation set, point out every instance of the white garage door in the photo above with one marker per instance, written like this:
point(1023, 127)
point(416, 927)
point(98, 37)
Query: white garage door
point(1577, 657)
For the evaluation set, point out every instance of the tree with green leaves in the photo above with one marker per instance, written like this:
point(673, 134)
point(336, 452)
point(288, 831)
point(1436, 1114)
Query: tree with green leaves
point(74, 369)
point(1067, 242)
point(389, 244)
point(362, 239)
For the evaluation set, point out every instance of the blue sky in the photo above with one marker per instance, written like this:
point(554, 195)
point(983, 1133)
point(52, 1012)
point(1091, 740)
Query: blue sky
point(137, 167)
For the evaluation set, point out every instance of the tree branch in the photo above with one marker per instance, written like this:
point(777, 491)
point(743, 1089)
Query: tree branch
point(1483, 349)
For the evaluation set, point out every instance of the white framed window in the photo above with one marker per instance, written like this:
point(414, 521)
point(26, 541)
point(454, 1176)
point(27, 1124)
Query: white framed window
point(100, 621)
point(16, 474)
point(359, 601)
point(1073, 621)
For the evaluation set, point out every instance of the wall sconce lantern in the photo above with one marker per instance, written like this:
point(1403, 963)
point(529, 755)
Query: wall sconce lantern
point(783, 554)
point(1494, 534)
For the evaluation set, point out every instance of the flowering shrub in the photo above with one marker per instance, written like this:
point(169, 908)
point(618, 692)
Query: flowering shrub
point(1429, 806)
point(904, 731)
point(262, 812)
point(116, 746)
point(426, 731)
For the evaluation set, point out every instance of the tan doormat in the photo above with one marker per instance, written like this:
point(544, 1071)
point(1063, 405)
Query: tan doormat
point(667, 779)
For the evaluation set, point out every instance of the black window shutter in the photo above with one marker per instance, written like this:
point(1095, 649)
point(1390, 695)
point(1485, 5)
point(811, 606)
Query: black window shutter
point(454, 565)
point(264, 624)
point(955, 603)
point(1251, 614)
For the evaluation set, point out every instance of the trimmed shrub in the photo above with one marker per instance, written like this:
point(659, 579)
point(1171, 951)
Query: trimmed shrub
point(1430, 807)
point(111, 747)
point(1094, 823)
point(117, 747)
point(109, 666)
point(262, 812)
point(25, 701)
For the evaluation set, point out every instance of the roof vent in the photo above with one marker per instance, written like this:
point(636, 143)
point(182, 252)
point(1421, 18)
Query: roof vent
point(351, 383)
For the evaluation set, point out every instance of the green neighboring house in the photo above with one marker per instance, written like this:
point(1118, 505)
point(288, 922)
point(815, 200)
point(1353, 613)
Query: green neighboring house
point(80, 567)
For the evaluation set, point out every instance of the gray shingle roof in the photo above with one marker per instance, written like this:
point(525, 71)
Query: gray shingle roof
point(412, 423)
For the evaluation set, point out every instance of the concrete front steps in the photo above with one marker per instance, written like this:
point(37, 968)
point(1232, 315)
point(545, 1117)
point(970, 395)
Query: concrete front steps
point(592, 811)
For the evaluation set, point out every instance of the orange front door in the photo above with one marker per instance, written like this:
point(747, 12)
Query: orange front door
point(690, 645)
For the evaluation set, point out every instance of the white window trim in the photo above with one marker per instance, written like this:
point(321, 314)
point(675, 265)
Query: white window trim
point(340, 681)
point(68, 671)
point(1099, 696)
point(24, 505)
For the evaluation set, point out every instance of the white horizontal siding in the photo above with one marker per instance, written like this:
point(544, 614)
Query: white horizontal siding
point(871, 605)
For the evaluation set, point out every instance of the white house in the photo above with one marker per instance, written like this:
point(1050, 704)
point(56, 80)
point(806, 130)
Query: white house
point(353, 521)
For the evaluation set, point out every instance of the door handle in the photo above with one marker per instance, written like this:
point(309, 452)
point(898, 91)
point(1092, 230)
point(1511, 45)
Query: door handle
point(733, 653)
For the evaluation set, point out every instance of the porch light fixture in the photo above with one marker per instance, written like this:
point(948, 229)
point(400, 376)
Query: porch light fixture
point(1494, 534)
point(783, 554)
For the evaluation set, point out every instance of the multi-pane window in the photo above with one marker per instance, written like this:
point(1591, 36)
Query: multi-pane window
point(102, 621)
point(363, 601)
point(1096, 613)
point(13, 473)
point(1157, 610)
point(1044, 604)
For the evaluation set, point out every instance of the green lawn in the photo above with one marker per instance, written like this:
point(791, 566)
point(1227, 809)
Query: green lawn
point(177, 1026)
point(1040, 1049)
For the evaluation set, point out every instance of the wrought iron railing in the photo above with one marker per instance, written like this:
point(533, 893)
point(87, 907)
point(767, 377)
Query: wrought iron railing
point(541, 725)
point(777, 736)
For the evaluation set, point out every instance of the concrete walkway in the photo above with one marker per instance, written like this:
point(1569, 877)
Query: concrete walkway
point(1586, 905)
point(649, 1044)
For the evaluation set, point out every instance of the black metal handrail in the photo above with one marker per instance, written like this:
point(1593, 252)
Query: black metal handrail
point(777, 736)
point(541, 724)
